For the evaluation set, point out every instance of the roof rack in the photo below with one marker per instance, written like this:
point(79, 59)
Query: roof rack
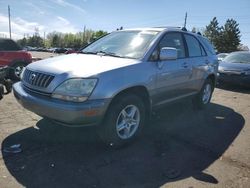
point(174, 27)
point(184, 29)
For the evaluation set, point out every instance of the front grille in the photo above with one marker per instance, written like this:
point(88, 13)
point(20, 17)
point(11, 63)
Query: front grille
point(37, 79)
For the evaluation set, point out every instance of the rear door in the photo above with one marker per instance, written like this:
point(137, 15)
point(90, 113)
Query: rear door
point(198, 61)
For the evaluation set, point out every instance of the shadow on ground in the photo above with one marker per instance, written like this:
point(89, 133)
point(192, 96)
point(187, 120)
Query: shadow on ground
point(177, 144)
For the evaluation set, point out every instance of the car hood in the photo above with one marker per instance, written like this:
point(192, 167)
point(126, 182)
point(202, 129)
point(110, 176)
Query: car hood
point(80, 65)
point(225, 66)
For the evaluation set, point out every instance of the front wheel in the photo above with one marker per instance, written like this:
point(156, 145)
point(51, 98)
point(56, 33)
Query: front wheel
point(123, 121)
point(204, 96)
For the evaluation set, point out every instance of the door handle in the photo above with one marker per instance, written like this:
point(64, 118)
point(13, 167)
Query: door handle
point(185, 65)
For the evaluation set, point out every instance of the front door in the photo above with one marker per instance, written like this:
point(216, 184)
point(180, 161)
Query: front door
point(173, 75)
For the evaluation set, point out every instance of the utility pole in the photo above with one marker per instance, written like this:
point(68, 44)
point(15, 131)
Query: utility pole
point(44, 36)
point(185, 23)
point(9, 20)
point(84, 34)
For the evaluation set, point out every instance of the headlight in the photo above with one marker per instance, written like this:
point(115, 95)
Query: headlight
point(76, 89)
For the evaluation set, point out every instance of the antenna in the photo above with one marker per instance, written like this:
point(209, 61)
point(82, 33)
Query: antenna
point(185, 22)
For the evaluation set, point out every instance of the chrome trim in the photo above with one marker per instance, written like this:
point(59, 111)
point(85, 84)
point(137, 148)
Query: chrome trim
point(37, 79)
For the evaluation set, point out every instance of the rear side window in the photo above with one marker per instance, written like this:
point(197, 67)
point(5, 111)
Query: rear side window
point(194, 47)
point(8, 45)
point(174, 40)
point(208, 46)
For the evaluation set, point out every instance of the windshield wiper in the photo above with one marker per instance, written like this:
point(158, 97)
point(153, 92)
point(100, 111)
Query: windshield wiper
point(103, 53)
point(108, 54)
point(86, 52)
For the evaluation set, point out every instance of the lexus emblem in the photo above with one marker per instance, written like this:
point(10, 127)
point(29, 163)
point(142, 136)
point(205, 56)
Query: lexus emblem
point(32, 77)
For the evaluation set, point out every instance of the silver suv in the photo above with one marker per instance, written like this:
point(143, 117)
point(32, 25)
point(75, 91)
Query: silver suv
point(117, 81)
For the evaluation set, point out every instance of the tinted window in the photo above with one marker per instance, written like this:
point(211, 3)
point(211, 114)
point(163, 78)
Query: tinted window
point(194, 48)
point(8, 45)
point(208, 46)
point(174, 40)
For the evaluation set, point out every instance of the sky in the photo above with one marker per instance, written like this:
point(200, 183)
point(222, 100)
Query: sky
point(73, 15)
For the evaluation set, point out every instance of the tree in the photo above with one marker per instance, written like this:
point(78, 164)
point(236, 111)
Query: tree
point(98, 34)
point(213, 33)
point(65, 40)
point(54, 39)
point(35, 41)
point(226, 38)
point(231, 36)
point(22, 42)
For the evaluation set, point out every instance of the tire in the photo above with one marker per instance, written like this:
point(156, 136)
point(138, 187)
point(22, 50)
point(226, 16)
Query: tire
point(202, 99)
point(123, 122)
point(16, 70)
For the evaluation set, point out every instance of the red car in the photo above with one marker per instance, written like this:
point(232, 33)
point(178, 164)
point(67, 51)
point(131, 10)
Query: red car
point(12, 55)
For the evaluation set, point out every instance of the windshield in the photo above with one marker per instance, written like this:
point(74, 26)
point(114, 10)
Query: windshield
point(238, 58)
point(128, 44)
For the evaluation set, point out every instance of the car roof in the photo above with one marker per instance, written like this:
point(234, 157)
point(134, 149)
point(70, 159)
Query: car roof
point(162, 29)
point(159, 29)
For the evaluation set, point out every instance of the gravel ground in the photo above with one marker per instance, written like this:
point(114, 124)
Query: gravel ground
point(179, 147)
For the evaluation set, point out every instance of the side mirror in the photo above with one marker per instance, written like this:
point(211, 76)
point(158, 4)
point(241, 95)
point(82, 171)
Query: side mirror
point(168, 53)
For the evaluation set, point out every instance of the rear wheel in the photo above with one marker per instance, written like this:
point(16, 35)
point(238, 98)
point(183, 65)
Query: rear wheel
point(16, 70)
point(204, 96)
point(123, 121)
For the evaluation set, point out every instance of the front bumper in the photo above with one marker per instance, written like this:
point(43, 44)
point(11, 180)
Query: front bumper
point(235, 79)
point(66, 113)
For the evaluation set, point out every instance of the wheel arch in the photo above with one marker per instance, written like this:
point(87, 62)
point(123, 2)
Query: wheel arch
point(212, 77)
point(18, 61)
point(140, 91)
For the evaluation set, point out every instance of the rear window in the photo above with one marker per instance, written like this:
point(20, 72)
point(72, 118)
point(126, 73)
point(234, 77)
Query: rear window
point(8, 45)
point(208, 46)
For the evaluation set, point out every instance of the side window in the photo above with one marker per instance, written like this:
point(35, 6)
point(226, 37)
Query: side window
point(194, 47)
point(208, 46)
point(174, 40)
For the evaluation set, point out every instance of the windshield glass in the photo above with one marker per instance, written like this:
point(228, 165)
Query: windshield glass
point(238, 58)
point(222, 55)
point(129, 44)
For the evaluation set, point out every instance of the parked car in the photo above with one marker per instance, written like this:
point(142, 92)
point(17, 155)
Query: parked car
point(29, 48)
point(235, 69)
point(5, 84)
point(117, 81)
point(71, 51)
point(221, 56)
point(60, 50)
point(12, 55)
